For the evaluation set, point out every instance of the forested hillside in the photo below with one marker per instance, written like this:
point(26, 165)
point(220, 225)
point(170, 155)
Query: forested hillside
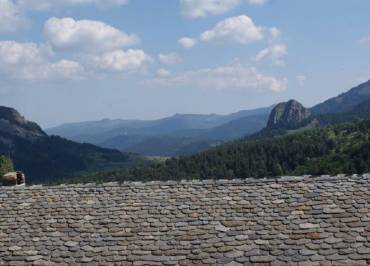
point(47, 159)
point(343, 148)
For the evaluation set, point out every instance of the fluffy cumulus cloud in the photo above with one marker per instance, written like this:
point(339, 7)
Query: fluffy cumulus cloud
point(274, 53)
point(29, 61)
point(96, 44)
point(73, 49)
point(187, 42)
point(235, 76)
point(240, 29)
point(85, 35)
point(204, 8)
point(122, 61)
point(170, 59)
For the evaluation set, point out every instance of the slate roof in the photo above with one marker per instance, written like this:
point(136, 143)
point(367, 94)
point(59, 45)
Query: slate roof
point(290, 221)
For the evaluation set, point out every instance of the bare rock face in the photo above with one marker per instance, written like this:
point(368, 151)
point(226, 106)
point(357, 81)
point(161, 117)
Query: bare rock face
point(288, 115)
point(12, 123)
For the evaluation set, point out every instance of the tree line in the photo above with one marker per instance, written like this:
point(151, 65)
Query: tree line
point(343, 148)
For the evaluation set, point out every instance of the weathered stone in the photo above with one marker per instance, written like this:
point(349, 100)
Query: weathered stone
point(308, 226)
point(33, 258)
point(71, 244)
point(220, 227)
point(234, 254)
point(293, 221)
point(260, 259)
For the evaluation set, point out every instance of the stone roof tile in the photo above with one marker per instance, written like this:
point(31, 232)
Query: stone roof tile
point(289, 221)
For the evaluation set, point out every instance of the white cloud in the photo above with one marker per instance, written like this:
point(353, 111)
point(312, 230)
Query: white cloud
point(301, 79)
point(85, 35)
point(204, 8)
point(50, 4)
point(163, 72)
point(257, 2)
point(64, 69)
point(275, 53)
point(11, 16)
point(13, 13)
point(239, 29)
point(187, 42)
point(170, 59)
point(29, 61)
point(127, 61)
point(227, 77)
point(96, 44)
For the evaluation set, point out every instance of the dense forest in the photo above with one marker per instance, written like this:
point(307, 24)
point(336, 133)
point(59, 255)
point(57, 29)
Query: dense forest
point(52, 158)
point(343, 148)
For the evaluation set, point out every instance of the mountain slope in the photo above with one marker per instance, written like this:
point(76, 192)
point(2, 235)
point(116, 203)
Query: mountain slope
point(185, 132)
point(345, 101)
point(112, 128)
point(45, 158)
point(237, 128)
point(343, 148)
point(171, 146)
point(186, 142)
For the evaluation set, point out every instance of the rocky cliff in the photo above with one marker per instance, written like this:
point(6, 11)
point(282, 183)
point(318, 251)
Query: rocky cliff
point(12, 123)
point(288, 115)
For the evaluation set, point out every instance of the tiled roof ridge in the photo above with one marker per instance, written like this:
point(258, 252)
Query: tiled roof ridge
point(230, 182)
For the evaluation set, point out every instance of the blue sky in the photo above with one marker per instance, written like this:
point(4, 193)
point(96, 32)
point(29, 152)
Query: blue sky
point(78, 60)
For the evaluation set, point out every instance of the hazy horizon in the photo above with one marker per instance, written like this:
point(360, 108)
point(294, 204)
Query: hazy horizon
point(73, 61)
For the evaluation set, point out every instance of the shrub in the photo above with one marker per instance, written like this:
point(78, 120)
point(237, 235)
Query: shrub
point(6, 165)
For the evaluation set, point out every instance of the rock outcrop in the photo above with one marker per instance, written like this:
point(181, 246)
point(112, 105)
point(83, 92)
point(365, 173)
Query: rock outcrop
point(12, 123)
point(289, 221)
point(288, 115)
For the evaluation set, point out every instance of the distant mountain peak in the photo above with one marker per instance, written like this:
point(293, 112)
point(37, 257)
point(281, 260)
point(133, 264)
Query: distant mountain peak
point(12, 122)
point(288, 115)
point(345, 101)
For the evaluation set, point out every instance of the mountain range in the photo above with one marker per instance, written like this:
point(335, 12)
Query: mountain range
point(45, 158)
point(185, 134)
point(295, 141)
point(181, 134)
